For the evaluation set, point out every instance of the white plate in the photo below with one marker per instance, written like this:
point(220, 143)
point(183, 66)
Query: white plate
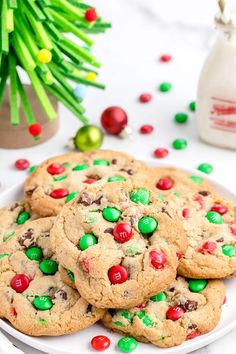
point(75, 343)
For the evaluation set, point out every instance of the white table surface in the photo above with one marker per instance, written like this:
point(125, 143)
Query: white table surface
point(142, 31)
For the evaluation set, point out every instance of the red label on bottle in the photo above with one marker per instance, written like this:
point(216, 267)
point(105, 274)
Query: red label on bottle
point(223, 115)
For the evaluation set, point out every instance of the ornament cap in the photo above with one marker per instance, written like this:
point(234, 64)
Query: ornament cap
point(127, 132)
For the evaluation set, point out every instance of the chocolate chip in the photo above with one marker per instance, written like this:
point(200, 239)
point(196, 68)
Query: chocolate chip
point(27, 239)
point(112, 312)
point(98, 201)
point(88, 309)
point(172, 289)
point(29, 192)
point(221, 239)
point(129, 171)
point(190, 305)
point(85, 199)
point(14, 206)
point(109, 231)
point(97, 177)
point(52, 291)
point(126, 294)
point(163, 210)
point(204, 193)
point(192, 326)
point(62, 294)
point(114, 161)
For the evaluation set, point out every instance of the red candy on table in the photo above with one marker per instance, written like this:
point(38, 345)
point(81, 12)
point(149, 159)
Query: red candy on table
point(55, 169)
point(35, 129)
point(100, 343)
point(208, 247)
point(185, 213)
point(146, 129)
point(158, 259)
point(145, 97)
point(174, 313)
point(90, 180)
point(59, 193)
point(20, 283)
point(91, 15)
point(161, 152)
point(122, 232)
point(165, 184)
point(165, 58)
point(22, 164)
point(219, 208)
point(192, 334)
point(117, 274)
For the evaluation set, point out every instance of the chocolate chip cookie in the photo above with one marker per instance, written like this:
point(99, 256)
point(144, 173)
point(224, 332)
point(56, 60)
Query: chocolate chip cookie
point(184, 311)
point(120, 243)
point(60, 179)
point(32, 296)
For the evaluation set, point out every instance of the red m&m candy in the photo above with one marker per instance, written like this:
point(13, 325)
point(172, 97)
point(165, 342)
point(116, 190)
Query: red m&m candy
point(219, 208)
point(165, 58)
point(59, 193)
point(145, 97)
point(100, 343)
point(208, 247)
point(20, 283)
point(185, 213)
point(122, 232)
point(165, 184)
point(90, 181)
point(192, 334)
point(22, 164)
point(158, 259)
point(146, 129)
point(174, 313)
point(117, 274)
point(55, 169)
point(161, 152)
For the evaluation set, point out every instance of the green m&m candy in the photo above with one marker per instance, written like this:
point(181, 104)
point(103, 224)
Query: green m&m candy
point(101, 162)
point(165, 87)
point(59, 178)
point(42, 303)
point(192, 106)
point(80, 167)
point(2, 255)
point(128, 316)
point(116, 179)
point(229, 250)
point(71, 196)
point(197, 179)
point(111, 214)
point(159, 297)
point(181, 117)
point(22, 217)
point(147, 225)
point(127, 344)
point(140, 196)
point(205, 168)
point(179, 144)
point(87, 241)
point(214, 218)
point(70, 275)
point(145, 319)
point(34, 253)
point(32, 169)
point(48, 266)
point(197, 285)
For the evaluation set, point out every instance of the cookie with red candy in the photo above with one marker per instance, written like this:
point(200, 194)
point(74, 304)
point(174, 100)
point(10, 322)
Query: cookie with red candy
point(210, 223)
point(60, 179)
point(185, 310)
point(120, 242)
point(33, 297)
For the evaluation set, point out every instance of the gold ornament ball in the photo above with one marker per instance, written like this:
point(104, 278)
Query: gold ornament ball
point(88, 138)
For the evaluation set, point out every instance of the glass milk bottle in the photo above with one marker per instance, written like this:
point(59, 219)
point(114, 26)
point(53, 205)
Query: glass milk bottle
point(216, 98)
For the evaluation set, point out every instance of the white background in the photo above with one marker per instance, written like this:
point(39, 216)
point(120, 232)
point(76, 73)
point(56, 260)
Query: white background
point(142, 31)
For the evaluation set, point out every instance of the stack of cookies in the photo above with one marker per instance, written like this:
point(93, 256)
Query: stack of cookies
point(102, 236)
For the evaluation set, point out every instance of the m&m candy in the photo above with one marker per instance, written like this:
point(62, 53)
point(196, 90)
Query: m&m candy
point(205, 168)
point(22, 217)
point(146, 129)
point(220, 209)
point(48, 266)
point(214, 218)
point(161, 153)
point(165, 87)
point(127, 344)
point(122, 232)
point(175, 313)
point(181, 118)
point(147, 225)
point(117, 274)
point(87, 241)
point(22, 164)
point(165, 184)
point(59, 193)
point(197, 285)
point(111, 214)
point(55, 168)
point(158, 259)
point(145, 97)
point(100, 343)
point(165, 58)
point(42, 303)
point(140, 195)
point(179, 144)
point(20, 283)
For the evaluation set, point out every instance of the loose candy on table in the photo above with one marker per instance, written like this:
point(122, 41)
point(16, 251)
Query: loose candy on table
point(206, 168)
point(161, 153)
point(22, 164)
point(192, 106)
point(145, 97)
point(179, 144)
point(146, 129)
point(165, 58)
point(127, 344)
point(165, 87)
point(181, 118)
point(100, 343)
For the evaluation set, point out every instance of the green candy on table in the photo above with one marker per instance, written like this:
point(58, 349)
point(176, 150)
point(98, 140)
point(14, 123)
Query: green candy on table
point(192, 106)
point(197, 285)
point(165, 87)
point(22, 217)
point(205, 168)
point(87, 241)
point(80, 167)
point(197, 179)
point(229, 250)
point(115, 179)
point(214, 218)
point(71, 196)
point(48, 267)
point(34, 253)
point(140, 196)
point(179, 144)
point(159, 297)
point(42, 303)
point(111, 214)
point(181, 118)
point(147, 225)
point(127, 344)
point(101, 162)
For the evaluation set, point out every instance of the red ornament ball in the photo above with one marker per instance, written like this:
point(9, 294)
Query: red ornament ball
point(20, 283)
point(122, 233)
point(174, 313)
point(165, 58)
point(145, 97)
point(146, 129)
point(35, 129)
point(117, 274)
point(100, 343)
point(219, 208)
point(91, 15)
point(114, 120)
point(158, 259)
point(22, 164)
point(161, 152)
point(55, 169)
point(165, 184)
point(59, 193)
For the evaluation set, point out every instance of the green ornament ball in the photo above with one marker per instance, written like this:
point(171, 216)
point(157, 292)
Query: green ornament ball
point(88, 138)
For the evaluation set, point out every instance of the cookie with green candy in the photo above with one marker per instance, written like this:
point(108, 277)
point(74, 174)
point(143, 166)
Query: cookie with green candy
point(60, 179)
point(182, 312)
point(120, 242)
point(210, 223)
point(33, 297)
point(168, 181)
point(12, 217)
